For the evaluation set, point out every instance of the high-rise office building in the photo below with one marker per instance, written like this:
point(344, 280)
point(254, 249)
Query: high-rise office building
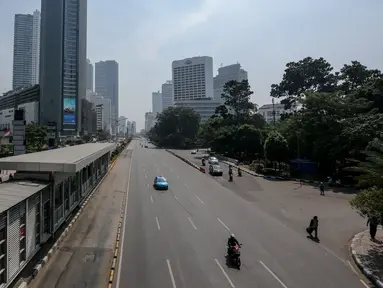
point(156, 103)
point(133, 128)
point(106, 110)
point(106, 85)
point(167, 94)
point(26, 50)
point(89, 76)
point(226, 74)
point(192, 78)
point(63, 63)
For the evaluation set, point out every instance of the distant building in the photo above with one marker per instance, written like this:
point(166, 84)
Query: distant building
point(156, 102)
point(89, 75)
point(167, 95)
point(267, 111)
point(26, 50)
point(106, 85)
point(26, 98)
point(204, 107)
point(226, 74)
point(99, 116)
point(89, 118)
point(133, 128)
point(106, 110)
point(192, 78)
point(122, 125)
point(149, 121)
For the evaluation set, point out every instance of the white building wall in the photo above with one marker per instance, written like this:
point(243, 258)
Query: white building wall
point(267, 111)
point(31, 114)
point(192, 78)
point(106, 110)
point(205, 108)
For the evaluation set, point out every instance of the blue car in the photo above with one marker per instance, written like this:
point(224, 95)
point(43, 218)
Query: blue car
point(160, 183)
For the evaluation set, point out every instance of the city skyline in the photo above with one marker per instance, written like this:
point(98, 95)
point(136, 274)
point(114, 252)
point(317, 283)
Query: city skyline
point(262, 36)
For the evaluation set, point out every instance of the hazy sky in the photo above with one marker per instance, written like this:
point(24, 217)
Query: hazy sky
point(144, 37)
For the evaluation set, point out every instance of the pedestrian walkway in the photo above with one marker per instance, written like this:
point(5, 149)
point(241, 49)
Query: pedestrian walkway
point(368, 255)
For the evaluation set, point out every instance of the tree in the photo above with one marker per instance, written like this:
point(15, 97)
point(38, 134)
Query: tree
point(35, 137)
point(369, 201)
point(249, 141)
point(276, 148)
point(237, 98)
point(103, 135)
point(175, 127)
point(309, 74)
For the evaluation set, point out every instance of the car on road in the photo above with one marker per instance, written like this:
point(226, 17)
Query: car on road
point(212, 160)
point(215, 170)
point(194, 152)
point(160, 183)
point(146, 146)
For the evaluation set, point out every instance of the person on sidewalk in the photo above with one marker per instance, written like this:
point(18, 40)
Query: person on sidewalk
point(321, 188)
point(313, 227)
point(373, 222)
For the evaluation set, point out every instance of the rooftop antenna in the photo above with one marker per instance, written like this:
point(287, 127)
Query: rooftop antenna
point(221, 64)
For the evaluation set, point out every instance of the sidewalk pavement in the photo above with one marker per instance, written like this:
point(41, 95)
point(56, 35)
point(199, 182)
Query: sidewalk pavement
point(368, 255)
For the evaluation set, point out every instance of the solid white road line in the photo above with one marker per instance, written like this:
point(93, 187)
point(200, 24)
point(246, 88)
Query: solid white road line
point(158, 224)
point(171, 274)
point(186, 185)
point(146, 176)
point(151, 198)
point(272, 274)
point(199, 199)
point(352, 267)
point(364, 284)
point(224, 225)
point(225, 274)
point(123, 228)
point(191, 222)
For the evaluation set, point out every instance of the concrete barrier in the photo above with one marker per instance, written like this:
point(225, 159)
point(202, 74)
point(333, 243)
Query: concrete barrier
point(202, 169)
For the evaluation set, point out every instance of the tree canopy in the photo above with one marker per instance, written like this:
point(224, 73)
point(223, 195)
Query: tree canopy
point(176, 127)
point(35, 137)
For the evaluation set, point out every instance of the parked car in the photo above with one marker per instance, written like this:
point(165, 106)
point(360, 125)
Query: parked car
point(212, 160)
point(215, 170)
point(194, 152)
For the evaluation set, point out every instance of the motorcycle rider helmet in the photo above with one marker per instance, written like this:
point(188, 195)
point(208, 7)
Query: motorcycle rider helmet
point(232, 235)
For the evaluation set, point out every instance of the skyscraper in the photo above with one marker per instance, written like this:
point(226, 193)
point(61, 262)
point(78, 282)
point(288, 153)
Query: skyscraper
point(225, 74)
point(167, 94)
point(192, 78)
point(156, 103)
point(89, 76)
point(63, 63)
point(26, 49)
point(106, 85)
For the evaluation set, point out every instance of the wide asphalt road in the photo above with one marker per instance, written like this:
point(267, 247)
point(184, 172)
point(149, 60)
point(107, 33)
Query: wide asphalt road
point(177, 238)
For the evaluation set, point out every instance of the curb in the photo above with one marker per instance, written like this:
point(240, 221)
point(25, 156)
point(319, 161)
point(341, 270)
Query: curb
point(55, 246)
point(366, 271)
point(184, 159)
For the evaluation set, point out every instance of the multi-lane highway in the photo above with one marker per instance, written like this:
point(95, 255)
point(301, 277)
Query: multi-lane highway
point(177, 238)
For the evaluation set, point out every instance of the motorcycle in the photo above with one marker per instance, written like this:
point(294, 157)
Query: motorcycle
point(239, 173)
point(235, 256)
point(203, 162)
point(230, 177)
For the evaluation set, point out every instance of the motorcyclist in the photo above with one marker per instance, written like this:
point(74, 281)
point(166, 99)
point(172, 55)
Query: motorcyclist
point(230, 173)
point(231, 242)
point(239, 172)
point(203, 161)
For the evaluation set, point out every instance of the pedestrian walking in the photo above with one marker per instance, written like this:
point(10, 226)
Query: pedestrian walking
point(313, 227)
point(373, 222)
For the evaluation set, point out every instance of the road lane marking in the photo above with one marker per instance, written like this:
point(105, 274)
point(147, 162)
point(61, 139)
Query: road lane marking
point(158, 224)
point(191, 222)
point(123, 229)
point(199, 199)
point(146, 176)
point(225, 274)
point(151, 198)
point(352, 268)
point(175, 197)
point(224, 225)
point(147, 185)
point(186, 185)
point(171, 274)
point(364, 284)
point(272, 274)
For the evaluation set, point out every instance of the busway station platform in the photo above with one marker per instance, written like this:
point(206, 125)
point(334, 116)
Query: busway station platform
point(44, 191)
